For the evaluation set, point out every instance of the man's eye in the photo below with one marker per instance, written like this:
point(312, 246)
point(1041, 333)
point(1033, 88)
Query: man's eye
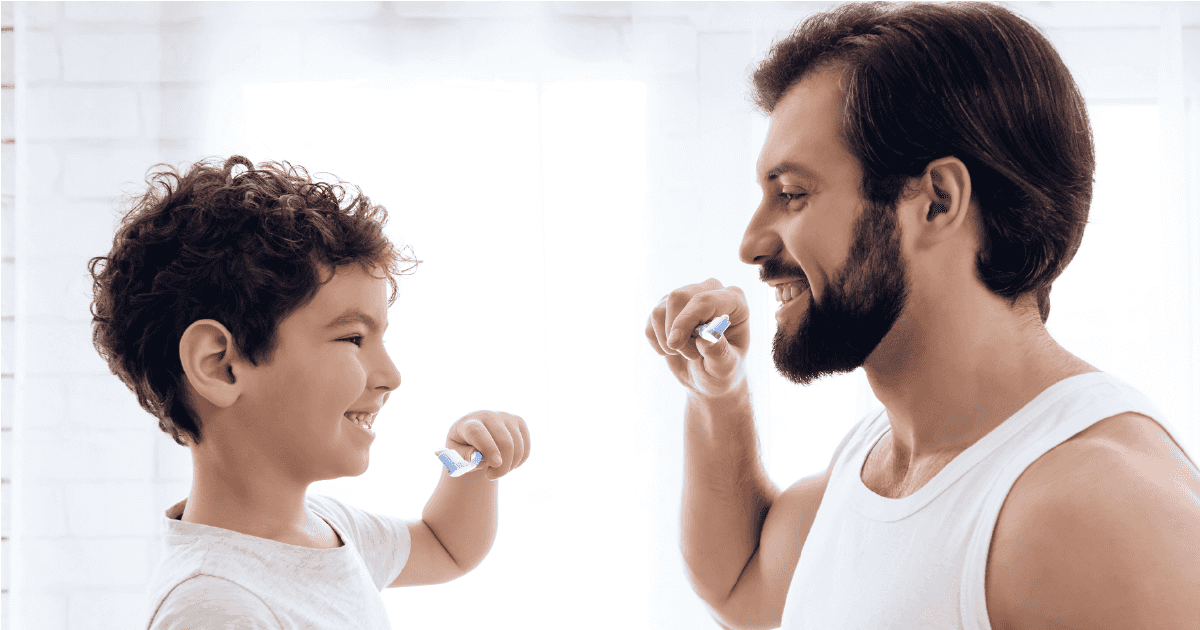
point(790, 197)
point(355, 339)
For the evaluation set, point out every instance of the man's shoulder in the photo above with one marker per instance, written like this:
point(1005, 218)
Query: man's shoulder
point(206, 601)
point(1100, 533)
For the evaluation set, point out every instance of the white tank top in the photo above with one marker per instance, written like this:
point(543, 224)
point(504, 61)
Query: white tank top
point(919, 561)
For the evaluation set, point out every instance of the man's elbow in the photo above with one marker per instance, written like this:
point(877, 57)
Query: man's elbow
point(731, 608)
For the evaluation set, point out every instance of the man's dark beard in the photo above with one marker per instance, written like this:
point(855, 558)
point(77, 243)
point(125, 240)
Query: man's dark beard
point(857, 309)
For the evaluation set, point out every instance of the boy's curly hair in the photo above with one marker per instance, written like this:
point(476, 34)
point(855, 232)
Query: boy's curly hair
point(246, 250)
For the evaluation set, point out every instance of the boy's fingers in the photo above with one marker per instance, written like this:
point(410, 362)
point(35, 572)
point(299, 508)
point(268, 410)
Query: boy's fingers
point(502, 439)
point(518, 452)
point(478, 436)
point(499, 435)
point(524, 439)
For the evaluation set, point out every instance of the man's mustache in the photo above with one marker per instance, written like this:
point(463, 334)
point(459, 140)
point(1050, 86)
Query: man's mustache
point(775, 269)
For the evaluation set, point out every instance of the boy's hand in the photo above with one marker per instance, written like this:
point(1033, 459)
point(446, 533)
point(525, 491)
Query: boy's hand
point(502, 438)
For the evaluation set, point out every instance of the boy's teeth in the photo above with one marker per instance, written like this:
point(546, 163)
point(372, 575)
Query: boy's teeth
point(363, 419)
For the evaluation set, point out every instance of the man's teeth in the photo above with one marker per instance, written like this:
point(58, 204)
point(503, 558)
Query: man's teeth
point(787, 292)
point(363, 419)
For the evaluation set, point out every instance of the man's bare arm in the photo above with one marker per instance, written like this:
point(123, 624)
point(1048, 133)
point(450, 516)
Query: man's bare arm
point(726, 493)
point(1101, 532)
point(741, 536)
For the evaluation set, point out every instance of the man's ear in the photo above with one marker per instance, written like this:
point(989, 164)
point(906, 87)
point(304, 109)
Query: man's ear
point(209, 359)
point(943, 201)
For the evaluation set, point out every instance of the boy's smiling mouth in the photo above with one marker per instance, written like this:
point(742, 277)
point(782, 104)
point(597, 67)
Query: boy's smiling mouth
point(363, 419)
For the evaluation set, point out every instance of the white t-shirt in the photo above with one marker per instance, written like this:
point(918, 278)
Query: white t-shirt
point(920, 561)
point(215, 578)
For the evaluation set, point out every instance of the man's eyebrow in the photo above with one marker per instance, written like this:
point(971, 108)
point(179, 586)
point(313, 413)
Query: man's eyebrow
point(354, 316)
point(789, 167)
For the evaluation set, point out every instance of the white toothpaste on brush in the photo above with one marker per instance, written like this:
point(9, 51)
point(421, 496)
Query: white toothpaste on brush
point(711, 331)
point(455, 464)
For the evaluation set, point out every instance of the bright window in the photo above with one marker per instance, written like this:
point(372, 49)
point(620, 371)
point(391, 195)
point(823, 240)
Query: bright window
point(525, 201)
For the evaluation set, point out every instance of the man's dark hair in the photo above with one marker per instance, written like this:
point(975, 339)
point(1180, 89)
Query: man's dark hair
point(246, 250)
point(970, 80)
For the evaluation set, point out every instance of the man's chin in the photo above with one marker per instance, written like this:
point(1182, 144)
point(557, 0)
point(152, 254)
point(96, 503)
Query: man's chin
point(805, 371)
point(803, 356)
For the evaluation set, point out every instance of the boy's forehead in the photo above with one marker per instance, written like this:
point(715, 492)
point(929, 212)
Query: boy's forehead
point(351, 290)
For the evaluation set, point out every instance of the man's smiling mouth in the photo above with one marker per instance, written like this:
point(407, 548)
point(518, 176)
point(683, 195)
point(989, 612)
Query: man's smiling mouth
point(788, 291)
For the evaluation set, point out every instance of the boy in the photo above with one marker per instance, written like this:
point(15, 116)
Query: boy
point(247, 313)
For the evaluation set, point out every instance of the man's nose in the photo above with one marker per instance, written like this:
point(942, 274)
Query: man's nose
point(760, 241)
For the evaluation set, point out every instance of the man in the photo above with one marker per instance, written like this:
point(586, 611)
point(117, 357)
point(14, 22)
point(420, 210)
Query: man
point(926, 177)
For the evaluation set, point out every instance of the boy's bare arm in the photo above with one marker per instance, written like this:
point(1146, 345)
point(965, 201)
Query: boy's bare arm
point(458, 525)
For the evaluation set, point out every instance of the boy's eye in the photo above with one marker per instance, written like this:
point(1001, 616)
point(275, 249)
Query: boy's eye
point(354, 339)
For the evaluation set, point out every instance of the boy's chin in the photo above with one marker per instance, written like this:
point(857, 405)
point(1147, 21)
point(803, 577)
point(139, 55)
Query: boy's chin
point(344, 468)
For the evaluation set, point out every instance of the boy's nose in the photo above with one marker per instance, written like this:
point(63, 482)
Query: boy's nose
point(387, 377)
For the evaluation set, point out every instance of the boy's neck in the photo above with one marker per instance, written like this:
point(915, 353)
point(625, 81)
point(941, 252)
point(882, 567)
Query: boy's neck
point(264, 506)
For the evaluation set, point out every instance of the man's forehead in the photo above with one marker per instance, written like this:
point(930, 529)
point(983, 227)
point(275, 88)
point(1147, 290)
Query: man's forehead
point(804, 129)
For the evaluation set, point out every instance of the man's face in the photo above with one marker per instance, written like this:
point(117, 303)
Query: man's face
point(330, 360)
point(815, 237)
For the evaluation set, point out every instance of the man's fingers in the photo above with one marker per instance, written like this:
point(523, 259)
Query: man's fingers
point(677, 301)
point(652, 336)
point(688, 347)
point(656, 329)
point(701, 309)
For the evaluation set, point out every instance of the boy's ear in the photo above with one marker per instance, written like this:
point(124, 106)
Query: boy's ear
point(208, 355)
point(943, 201)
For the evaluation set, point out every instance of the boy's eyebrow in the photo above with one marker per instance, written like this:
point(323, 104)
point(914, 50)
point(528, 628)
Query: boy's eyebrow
point(354, 316)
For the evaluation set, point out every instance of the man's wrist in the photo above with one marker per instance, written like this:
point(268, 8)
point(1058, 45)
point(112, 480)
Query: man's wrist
point(735, 396)
point(709, 413)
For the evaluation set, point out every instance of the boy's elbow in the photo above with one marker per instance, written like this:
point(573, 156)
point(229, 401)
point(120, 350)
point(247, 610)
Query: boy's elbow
point(464, 555)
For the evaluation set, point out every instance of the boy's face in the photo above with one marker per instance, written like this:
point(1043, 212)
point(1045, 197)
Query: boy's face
point(329, 361)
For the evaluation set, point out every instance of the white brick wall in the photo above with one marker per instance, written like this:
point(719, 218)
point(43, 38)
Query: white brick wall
point(8, 444)
point(112, 88)
point(97, 115)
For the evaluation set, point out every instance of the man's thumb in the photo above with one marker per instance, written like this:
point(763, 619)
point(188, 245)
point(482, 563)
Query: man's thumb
point(719, 358)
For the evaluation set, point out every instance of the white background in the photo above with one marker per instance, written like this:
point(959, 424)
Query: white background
point(558, 168)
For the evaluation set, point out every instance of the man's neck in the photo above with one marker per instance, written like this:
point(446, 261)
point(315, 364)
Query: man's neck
point(950, 373)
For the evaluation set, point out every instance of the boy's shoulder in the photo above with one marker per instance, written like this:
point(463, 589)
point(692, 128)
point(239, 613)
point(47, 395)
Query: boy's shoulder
point(206, 601)
point(326, 588)
point(366, 530)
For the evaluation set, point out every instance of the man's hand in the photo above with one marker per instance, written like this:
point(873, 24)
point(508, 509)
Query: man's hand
point(502, 439)
point(706, 369)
